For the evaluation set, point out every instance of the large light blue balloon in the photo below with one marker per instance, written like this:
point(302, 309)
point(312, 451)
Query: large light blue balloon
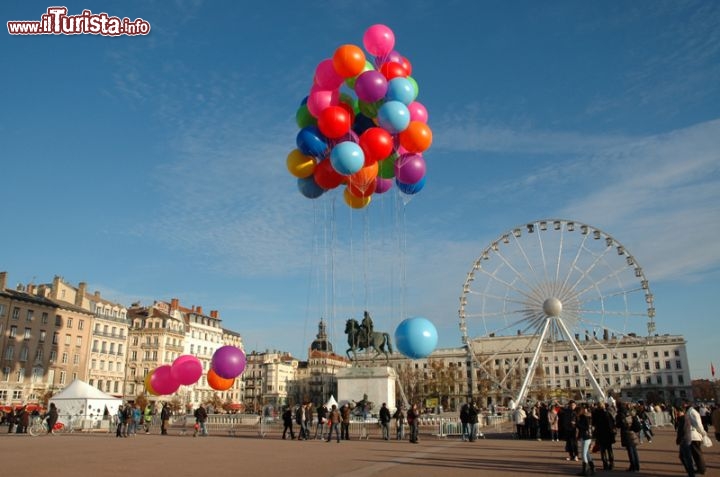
point(394, 117)
point(416, 337)
point(347, 158)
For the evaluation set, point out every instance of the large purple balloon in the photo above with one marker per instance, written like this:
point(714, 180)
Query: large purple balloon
point(371, 86)
point(228, 362)
point(186, 369)
point(410, 168)
point(162, 381)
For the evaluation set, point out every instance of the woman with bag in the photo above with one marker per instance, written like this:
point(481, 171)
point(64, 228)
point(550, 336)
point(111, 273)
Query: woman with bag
point(697, 434)
point(584, 434)
point(629, 425)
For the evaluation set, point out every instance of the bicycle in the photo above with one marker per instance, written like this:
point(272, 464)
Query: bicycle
point(39, 427)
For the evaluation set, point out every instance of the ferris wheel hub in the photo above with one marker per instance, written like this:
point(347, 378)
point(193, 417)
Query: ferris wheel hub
point(552, 307)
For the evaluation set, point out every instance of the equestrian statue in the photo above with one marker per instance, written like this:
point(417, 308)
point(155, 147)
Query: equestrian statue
point(362, 336)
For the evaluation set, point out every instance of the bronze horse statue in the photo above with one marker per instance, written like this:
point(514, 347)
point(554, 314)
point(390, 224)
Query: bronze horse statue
point(359, 339)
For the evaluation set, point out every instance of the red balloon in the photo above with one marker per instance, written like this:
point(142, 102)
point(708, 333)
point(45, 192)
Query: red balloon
point(349, 109)
point(362, 190)
point(405, 63)
point(377, 144)
point(327, 177)
point(393, 69)
point(334, 122)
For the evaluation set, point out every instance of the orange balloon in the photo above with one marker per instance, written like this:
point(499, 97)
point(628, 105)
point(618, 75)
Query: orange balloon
point(348, 61)
point(355, 202)
point(417, 137)
point(148, 386)
point(362, 190)
point(364, 175)
point(218, 383)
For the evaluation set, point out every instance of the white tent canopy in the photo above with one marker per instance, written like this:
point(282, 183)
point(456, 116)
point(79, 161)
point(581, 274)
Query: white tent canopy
point(79, 399)
point(331, 401)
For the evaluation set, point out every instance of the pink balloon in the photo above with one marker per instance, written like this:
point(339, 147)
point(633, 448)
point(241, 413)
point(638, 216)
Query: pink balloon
point(162, 381)
point(379, 40)
point(319, 99)
point(186, 369)
point(382, 185)
point(418, 112)
point(326, 77)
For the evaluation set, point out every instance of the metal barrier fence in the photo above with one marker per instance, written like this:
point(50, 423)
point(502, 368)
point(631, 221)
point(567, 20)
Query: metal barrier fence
point(234, 424)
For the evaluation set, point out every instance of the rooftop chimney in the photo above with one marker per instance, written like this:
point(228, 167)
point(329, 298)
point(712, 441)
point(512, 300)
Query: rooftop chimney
point(3, 281)
point(174, 304)
point(82, 288)
point(199, 310)
point(213, 314)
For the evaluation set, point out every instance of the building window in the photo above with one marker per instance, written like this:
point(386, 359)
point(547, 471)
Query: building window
point(24, 352)
point(64, 358)
point(39, 354)
point(44, 318)
point(58, 320)
point(16, 313)
point(29, 316)
point(678, 364)
point(78, 341)
point(27, 334)
point(76, 359)
point(13, 331)
point(657, 364)
point(10, 353)
point(62, 377)
point(681, 380)
point(69, 322)
point(42, 336)
point(17, 395)
point(670, 379)
point(667, 365)
point(56, 337)
point(68, 340)
point(659, 379)
point(81, 324)
point(53, 357)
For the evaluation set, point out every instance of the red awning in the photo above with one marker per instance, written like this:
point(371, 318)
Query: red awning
point(235, 406)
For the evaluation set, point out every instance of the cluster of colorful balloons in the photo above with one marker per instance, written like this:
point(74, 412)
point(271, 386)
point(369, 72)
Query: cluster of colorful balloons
point(166, 379)
point(361, 124)
point(228, 362)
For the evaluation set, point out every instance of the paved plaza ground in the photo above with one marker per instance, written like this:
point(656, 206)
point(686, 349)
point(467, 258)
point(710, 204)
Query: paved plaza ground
point(102, 454)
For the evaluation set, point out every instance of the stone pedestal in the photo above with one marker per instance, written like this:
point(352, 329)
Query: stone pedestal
point(377, 382)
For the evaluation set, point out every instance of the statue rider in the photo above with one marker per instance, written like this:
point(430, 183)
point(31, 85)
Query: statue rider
point(367, 326)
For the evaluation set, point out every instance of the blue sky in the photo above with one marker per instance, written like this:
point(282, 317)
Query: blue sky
point(153, 167)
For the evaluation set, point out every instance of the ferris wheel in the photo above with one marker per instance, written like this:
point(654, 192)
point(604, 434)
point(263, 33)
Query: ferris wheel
point(552, 300)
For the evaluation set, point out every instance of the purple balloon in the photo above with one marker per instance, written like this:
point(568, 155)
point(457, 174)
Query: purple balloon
point(228, 362)
point(162, 381)
point(410, 168)
point(371, 86)
point(382, 185)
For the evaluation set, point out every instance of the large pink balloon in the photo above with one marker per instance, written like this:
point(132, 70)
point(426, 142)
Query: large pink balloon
point(162, 381)
point(379, 40)
point(186, 369)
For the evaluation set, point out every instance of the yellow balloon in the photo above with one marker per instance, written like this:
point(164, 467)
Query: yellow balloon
point(300, 165)
point(148, 386)
point(355, 202)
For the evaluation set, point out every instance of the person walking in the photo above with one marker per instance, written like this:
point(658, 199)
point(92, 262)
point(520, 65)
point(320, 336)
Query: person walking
point(553, 423)
point(345, 422)
point(52, 417)
point(697, 433)
point(629, 425)
point(147, 417)
point(683, 438)
point(413, 418)
point(464, 421)
point(399, 417)
point(385, 421)
point(604, 429)
point(473, 421)
point(584, 434)
point(300, 421)
point(164, 419)
point(568, 421)
point(334, 423)
point(201, 419)
point(287, 417)
point(322, 412)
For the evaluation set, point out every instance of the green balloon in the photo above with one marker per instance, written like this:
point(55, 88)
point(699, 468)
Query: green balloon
point(386, 167)
point(370, 109)
point(415, 86)
point(303, 118)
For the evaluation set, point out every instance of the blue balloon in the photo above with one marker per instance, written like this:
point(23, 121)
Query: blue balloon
point(400, 89)
point(311, 142)
point(411, 188)
point(347, 158)
point(394, 117)
point(309, 188)
point(362, 123)
point(416, 337)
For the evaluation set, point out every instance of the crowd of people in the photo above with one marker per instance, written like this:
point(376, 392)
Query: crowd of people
point(586, 428)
